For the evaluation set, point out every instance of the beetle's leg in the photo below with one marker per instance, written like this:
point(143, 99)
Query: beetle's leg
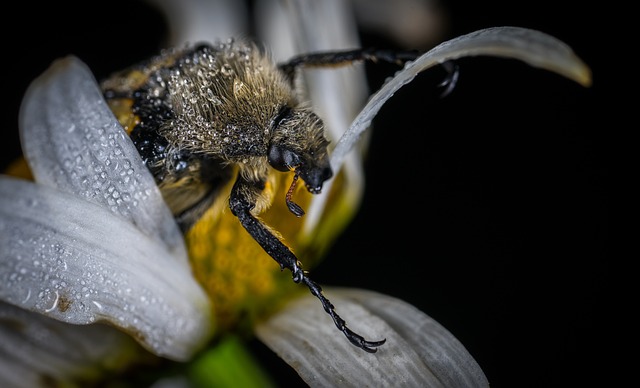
point(342, 58)
point(453, 72)
point(242, 201)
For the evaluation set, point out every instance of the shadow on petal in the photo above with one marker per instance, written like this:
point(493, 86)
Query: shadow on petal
point(35, 349)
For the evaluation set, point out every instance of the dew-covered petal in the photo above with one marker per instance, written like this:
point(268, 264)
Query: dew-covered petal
point(418, 352)
point(73, 142)
point(533, 47)
point(35, 349)
point(77, 262)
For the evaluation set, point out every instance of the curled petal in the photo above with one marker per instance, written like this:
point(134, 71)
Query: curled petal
point(419, 352)
point(73, 142)
point(533, 47)
point(35, 349)
point(77, 262)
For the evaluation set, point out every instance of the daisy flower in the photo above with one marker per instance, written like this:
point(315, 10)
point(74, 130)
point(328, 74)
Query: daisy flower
point(97, 282)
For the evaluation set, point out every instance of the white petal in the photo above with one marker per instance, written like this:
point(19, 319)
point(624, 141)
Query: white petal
point(533, 47)
point(35, 349)
point(192, 21)
point(74, 143)
point(336, 94)
point(418, 353)
point(437, 347)
point(77, 262)
point(274, 28)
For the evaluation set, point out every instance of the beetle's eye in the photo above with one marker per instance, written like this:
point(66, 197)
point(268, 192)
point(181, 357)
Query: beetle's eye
point(283, 159)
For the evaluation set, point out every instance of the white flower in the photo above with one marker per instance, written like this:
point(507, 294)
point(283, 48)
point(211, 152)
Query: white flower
point(91, 257)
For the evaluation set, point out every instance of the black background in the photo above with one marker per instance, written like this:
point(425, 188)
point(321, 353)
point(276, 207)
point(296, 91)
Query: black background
point(487, 209)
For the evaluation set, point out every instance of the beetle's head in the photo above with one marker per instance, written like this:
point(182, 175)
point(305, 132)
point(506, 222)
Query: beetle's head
point(298, 144)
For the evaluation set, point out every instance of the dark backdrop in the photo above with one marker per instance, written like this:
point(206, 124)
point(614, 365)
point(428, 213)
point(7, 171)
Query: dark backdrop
point(487, 209)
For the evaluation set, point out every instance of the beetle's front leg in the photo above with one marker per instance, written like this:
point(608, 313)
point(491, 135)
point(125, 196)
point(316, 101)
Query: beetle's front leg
point(245, 195)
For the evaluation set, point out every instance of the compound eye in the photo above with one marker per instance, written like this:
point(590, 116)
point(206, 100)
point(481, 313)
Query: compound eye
point(283, 159)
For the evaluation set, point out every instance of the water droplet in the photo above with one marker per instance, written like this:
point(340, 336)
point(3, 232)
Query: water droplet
point(215, 100)
point(237, 86)
point(31, 202)
point(226, 70)
point(181, 165)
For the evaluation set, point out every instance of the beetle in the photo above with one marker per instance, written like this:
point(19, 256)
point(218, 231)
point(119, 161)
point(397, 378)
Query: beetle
point(204, 115)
